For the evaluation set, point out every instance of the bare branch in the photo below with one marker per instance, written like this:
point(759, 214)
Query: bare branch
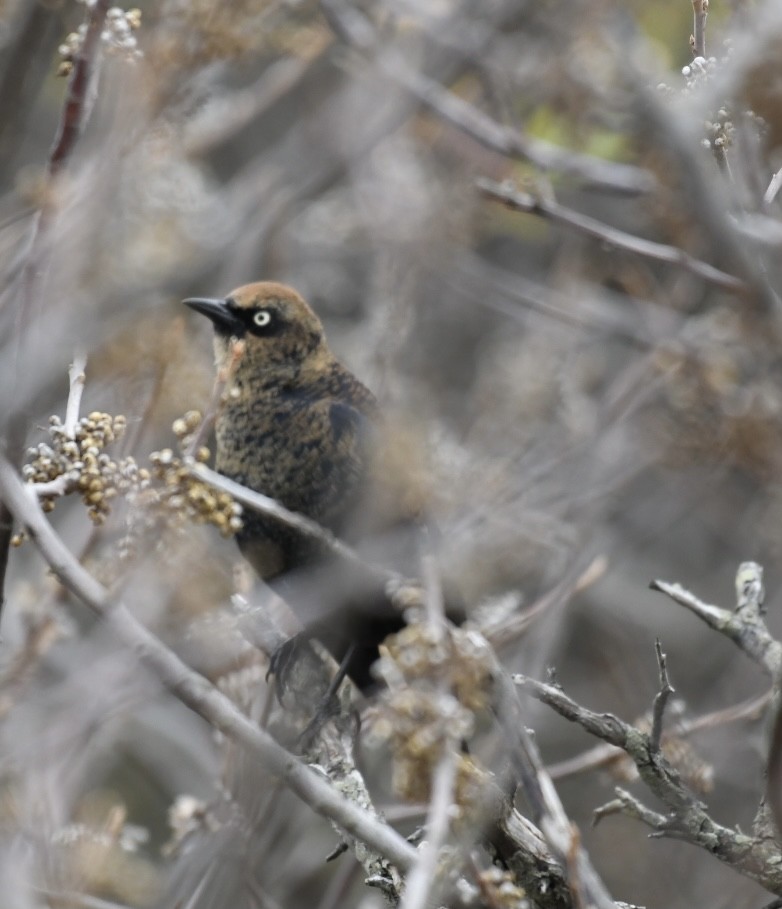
point(750, 592)
point(660, 700)
point(193, 689)
point(78, 102)
point(605, 755)
point(547, 809)
point(746, 628)
point(773, 188)
point(419, 884)
point(627, 804)
point(700, 9)
point(271, 508)
point(757, 857)
point(60, 486)
point(512, 198)
point(77, 377)
point(356, 30)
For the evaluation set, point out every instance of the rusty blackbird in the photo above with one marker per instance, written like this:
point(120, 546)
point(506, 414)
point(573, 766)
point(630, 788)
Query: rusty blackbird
point(297, 425)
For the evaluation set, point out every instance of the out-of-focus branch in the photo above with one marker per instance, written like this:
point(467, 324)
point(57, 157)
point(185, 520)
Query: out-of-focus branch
point(77, 378)
point(704, 202)
point(73, 118)
point(512, 198)
point(547, 811)
point(745, 627)
point(773, 188)
point(226, 116)
point(78, 100)
point(355, 29)
point(422, 877)
point(193, 689)
point(700, 9)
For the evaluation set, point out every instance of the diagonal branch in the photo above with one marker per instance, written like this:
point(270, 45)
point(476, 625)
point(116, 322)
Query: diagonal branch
point(746, 628)
point(757, 857)
point(512, 198)
point(271, 508)
point(78, 100)
point(193, 689)
point(355, 29)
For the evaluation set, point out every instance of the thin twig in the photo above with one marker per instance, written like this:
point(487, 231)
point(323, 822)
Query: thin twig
point(689, 820)
point(773, 188)
point(417, 894)
point(547, 809)
point(60, 486)
point(433, 589)
point(355, 30)
point(630, 806)
point(78, 101)
point(77, 377)
point(604, 755)
point(193, 689)
point(747, 631)
point(700, 9)
point(73, 118)
point(750, 592)
point(512, 198)
point(72, 900)
point(658, 711)
point(698, 195)
point(226, 116)
point(273, 509)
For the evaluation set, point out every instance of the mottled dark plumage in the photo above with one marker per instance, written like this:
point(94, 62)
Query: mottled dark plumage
point(298, 426)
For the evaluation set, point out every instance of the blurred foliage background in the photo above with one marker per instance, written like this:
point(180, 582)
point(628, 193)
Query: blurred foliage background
point(578, 402)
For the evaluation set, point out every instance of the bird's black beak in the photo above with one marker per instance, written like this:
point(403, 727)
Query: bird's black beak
point(225, 321)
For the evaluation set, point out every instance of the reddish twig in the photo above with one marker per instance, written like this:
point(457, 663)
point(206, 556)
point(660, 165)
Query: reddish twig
point(78, 103)
point(74, 116)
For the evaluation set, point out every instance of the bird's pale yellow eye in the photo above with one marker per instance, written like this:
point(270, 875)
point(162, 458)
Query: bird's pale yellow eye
point(262, 318)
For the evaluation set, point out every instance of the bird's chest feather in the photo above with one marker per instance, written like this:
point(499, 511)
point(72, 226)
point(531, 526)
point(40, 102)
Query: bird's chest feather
point(292, 447)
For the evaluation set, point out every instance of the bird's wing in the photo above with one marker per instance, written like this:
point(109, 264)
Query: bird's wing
point(341, 470)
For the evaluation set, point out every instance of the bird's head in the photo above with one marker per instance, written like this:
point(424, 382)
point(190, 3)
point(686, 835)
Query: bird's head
point(278, 328)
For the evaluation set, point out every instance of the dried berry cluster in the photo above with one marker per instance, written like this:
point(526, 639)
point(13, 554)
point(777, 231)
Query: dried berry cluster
point(186, 497)
point(77, 462)
point(167, 495)
point(117, 36)
point(437, 678)
point(502, 889)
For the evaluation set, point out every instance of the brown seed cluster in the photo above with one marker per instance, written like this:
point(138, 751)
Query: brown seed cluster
point(166, 495)
point(437, 677)
point(502, 889)
point(187, 498)
point(78, 462)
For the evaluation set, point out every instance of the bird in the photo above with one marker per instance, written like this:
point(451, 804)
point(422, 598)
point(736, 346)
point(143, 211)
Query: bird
point(298, 426)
